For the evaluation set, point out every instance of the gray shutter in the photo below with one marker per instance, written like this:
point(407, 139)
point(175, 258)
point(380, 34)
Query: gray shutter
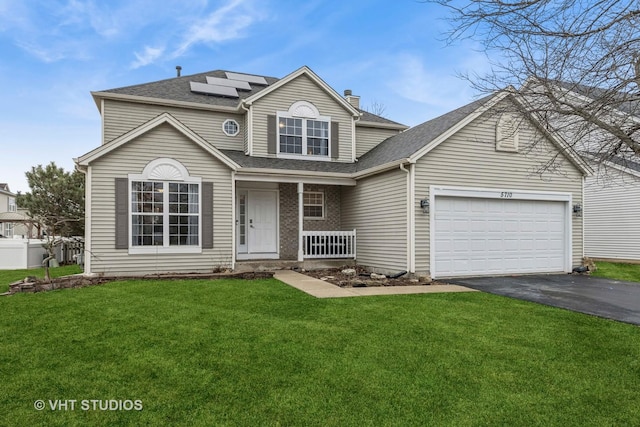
point(122, 213)
point(272, 137)
point(207, 215)
point(335, 139)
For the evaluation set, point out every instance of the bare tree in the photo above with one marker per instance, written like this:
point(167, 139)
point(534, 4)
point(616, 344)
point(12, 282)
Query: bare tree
point(377, 108)
point(577, 63)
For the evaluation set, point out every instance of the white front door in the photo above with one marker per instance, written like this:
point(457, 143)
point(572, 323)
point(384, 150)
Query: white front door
point(257, 219)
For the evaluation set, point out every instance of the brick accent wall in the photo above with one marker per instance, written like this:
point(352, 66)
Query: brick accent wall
point(289, 215)
point(331, 221)
point(288, 221)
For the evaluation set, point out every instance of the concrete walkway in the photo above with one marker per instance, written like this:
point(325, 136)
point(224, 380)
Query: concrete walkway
point(321, 289)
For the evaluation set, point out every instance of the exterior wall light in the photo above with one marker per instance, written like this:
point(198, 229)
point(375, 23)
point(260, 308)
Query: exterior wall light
point(577, 210)
point(424, 204)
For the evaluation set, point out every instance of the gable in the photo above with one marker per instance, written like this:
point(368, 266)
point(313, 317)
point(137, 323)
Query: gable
point(166, 144)
point(479, 147)
point(300, 88)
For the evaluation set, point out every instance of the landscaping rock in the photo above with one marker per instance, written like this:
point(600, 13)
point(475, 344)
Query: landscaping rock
point(349, 271)
point(378, 276)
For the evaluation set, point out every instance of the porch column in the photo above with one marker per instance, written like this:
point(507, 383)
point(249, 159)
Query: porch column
point(300, 220)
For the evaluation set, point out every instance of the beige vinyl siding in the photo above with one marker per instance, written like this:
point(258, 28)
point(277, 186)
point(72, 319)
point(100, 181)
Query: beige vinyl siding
point(611, 208)
point(132, 158)
point(121, 117)
point(367, 138)
point(377, 208)
point(469, 159)
point(300, 89)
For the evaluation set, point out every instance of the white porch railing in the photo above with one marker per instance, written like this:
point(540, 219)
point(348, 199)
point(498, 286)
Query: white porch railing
point(329, 244)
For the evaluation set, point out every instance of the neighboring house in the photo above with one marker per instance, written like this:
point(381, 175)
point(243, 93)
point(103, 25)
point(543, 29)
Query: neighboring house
point(612, 203)
point(8, 210)
point(612, 192)
point(208, 170)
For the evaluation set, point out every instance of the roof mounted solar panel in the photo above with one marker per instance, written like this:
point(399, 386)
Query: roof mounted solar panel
point(229, 83)
point(214, 89)
point(259, 80)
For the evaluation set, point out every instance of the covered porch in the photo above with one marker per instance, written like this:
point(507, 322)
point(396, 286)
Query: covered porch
point(291, 221)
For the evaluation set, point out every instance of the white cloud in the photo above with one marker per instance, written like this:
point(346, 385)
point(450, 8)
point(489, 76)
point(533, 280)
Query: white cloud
point(223, 24)
point(148, 56)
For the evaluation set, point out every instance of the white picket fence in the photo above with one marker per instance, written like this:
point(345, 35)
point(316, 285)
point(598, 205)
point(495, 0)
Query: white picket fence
point(329, 244)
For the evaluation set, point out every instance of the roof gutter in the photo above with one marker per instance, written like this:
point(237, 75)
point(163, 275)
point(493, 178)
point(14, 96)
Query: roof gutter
point(382, 168)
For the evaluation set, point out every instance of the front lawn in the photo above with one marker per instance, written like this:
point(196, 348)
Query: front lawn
point(233, 352)
point(618, 271)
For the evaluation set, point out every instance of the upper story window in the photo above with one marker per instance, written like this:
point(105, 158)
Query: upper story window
point(12, 204)
point(303, 131)
point(230, 127)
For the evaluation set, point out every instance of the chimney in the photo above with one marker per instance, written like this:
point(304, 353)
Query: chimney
point(178, 69)
point(352, 99)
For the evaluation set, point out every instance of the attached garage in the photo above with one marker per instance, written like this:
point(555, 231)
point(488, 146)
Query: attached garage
point(492, 232)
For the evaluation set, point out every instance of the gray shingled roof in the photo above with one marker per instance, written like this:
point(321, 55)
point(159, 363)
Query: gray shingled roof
point(372, 118)
point(179, 89)
point(410, 141)
point(621, 101)
point(290, 164)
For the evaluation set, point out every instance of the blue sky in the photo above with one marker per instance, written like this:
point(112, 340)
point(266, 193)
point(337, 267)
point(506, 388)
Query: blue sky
point(389, 52)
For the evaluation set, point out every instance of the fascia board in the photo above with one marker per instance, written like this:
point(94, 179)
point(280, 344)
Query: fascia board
point(381, 168)
point(377, 125)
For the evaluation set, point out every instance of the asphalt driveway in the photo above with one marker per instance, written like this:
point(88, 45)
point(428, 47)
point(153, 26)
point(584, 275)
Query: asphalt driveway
point(607, 298)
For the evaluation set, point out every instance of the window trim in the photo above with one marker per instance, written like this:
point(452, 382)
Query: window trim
point(12, 206)
point(323, 205)
point(166, 171)
point(224, 130)
point(304, 111)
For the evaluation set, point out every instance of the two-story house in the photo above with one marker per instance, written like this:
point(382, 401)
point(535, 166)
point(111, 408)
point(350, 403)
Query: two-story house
point(205, 171)
point(8, 211)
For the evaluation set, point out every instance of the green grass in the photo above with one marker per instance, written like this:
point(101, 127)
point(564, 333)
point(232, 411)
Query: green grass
point(9, 276)
point(233, 352)
point(618, 271)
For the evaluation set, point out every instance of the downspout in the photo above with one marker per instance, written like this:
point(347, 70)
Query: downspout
point(409, 207)
point(234, 220)
point(249, 130)
point(86, 170)
point(584, 179)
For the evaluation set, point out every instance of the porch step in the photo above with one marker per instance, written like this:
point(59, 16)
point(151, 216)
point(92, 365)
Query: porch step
point(274, 265)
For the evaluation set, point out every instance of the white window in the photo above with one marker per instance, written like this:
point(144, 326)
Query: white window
point(303, 131)
point(165, 209)
point(12, 204)
point(313, 204)
point(230, 127)
point(8, 230)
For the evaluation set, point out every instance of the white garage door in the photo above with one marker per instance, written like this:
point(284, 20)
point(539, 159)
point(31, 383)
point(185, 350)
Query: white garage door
point(475, 236)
